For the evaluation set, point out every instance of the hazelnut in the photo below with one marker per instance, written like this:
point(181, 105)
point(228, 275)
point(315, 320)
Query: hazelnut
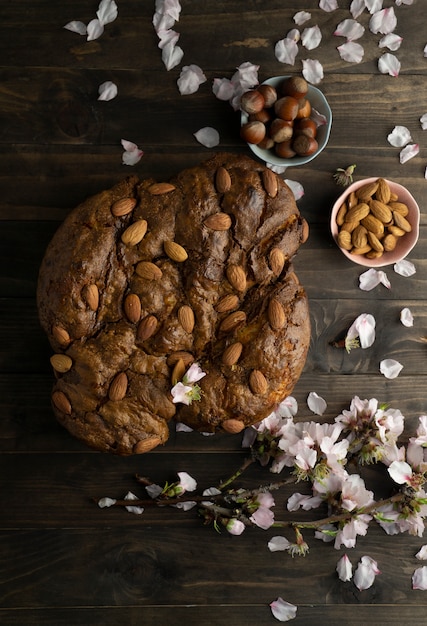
point(263, 116)
point(269, 94)
point(253, 132)
point(286, 108)
point(306, 126)
point(284, 149)
point(304, 108)
point(304, 145)
point(252, 101)
point(266, 144)
point(280, 130)
point(295, 86)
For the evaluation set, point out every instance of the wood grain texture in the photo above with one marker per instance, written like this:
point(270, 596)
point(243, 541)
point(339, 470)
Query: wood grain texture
point(63, 560)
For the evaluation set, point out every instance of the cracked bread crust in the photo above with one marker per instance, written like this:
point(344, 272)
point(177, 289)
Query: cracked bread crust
point(111, 304)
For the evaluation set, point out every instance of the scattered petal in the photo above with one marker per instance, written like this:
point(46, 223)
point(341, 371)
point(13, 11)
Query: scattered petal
point(328, 5)
point(373, 5)
point(391, 41)
point(186, 506)
point(180, 427)
point(107, 11)
point(296, 188)
point(365, 573)
point(282, 610)
point(400, 471)
point(301, 17)
point(425, 50)
point(390, 368)
point(389, 64)
point(207, 136)
point(316, 403)
point(423, 120)
point(223, 88)
point(181, 393)
point(406, 317)
point(421, 555)
point(186, 481)
point(278, 544)
point(383, 21)
point(364, 328)
point(76, 27)
point(371, 278)
point(311, 37)
point(190, 79)
point(94, 30)
point(399, 136)
point(171, 55)
point(106, 502)
point(132, 153)
point(312, 71)
point(357, 7)
point(235, 526)
point(137, 510)
point(294, 34)
point(153, 490)
point(107, 91)
point(318, 118)
point(286, 51)
point(351, 52)
point(419, 578)
point(350, 29)
point(404, 268)
point(344, 569)
point(408, 152)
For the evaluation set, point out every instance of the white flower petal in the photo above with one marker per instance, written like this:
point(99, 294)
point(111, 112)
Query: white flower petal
point(207, 136)
point(312, 71)
point(425, 50)
point(106, 502)
point(186, 506)
point(423, 120)
point(153, 490)
point(365, 325)
point(311, 37)
point(374, 5)
point(357, 7)
point(282, 610)
point(186, 481)
point(137, 510)
point(180, 427)
point(383, 21)
point(421, 555)
point(132, 153)
point(399, 136)
point(390, 368)
point(328, 5)
point(278, 544)
point(400, 471)
point(296, 188)
point(286, 51)
point(190, 79)
point(318, 118)
point(171, 55)
point(294, 34)
point(419, 578)
point(94, 30)
point(408, 152)
point(391, 41)
point(107, 91)
point(350, 29)
point(344, 568)
point(107, 11)
point(406, 317)
point(364, 577)
point(316, 403)
point(404, 268)
point(223, 88)
point(351, 52)
point(301, 17)
point(76, 27)
point(371, 278)
point(389, 64)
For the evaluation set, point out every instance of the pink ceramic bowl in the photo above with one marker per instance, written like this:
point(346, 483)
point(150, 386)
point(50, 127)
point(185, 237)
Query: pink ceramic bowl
point(404, 243)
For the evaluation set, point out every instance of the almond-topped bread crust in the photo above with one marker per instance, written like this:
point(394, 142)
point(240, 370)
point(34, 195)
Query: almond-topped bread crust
point(181, 286)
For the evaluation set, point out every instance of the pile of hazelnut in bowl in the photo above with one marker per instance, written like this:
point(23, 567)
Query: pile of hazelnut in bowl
point(285, 121)
point(375, 222)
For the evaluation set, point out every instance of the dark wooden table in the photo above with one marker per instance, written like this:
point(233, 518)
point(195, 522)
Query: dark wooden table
point(63, 560)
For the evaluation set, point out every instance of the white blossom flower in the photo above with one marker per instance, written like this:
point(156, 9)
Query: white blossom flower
point(282, 610)
point(316, 403)
point(363, 329)
point(132, 154)
point(186, 482)
point(235, 526)
point(193, 374)
point(181, 393)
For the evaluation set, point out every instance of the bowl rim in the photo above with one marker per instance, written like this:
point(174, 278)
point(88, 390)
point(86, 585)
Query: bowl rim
point(415, 223)
point(266, 155)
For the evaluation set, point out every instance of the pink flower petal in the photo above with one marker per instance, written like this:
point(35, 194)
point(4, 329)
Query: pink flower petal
point(190, 79)
point(419, 578)
point(374, 5)
point(357, 7)
point(107, 91)
point(235, 526)
point(406, 317)
point(132, 153)
point(400, 471)
point(194, 374)
point(399, 136)
point(223, 88)
point(404, 268)
point(328, 5)
point(278, 544)
point(391, 41)
point(423, 120)
point(106, 502)
point(294, 34)
point(390, 368)
point(350, 29)
point(364, 576)
point(409, 152)
point(311, 37)
point(94, 30)
point(389, 64)
point(383, 21)
point(282, 610)
point(186, 481)
point(207, 136)
point(372, 278)
point(263, 518)
point(107, 11)
point(312, 71)
point(286, 51)
point(344, 569)
point(76, 27)
point(351, 52)
point(137, 510)
point(421, 555)
point(296, 188)
point(301, 17)
point(316, 403)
